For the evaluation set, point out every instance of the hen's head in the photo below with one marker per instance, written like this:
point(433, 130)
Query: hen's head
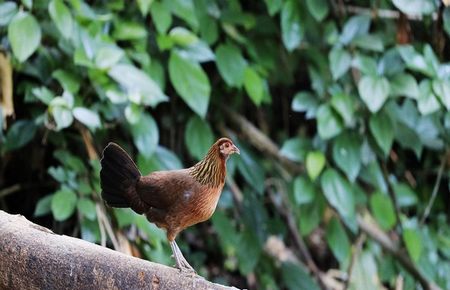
point(226, 147)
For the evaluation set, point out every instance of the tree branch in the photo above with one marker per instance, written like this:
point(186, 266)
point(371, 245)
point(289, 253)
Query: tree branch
point(33, 257)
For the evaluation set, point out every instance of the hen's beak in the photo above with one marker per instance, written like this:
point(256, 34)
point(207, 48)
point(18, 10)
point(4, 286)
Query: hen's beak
point(236, 150)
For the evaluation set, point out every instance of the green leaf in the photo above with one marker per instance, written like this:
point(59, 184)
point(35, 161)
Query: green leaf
point(295, 149)
point(108, 56)
point(442, 90)
point(61, 16)
point(415, 7)
point(340, 61)
point(291, 26)
point(427, 102)
point(144, 6)
point(250, 169)
point(24, 34)
point(382, 129)
point(87, 117)
point(163, 159)
point(127, 30)
point(62, 116)
point(295, 276)
point(338, 240)
point(231, 64)
point(19, 134)
point(383, 210)
point(182, 36)
point(304, 190)
point(415, 61)
point(68, 80)
point(184, 9)
point(405, 195)
point(305, 102)
point(328, 123)
point(254, 85)
point(191, 83)
point(273, 6)
point(197, 52)
point(137, 81)
point(145, 135)
point(162, 19)
point(374, 91)
point(198, 137)
point(347, 154)
point(355, 26)
point(248, 252)
point(87, 208)
point(63, 203)
point(364, 274)
point(404, 85)
point(43, 206)
point(27, 3)
point(7, 11)
point(318, 8)
point(367, 65)
point(315, 162)
point(338, 192)
point(369, 41)
point(413, 242)
point(345, 106)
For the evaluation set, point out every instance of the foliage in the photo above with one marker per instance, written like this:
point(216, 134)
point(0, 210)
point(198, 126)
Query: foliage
point(362, 102)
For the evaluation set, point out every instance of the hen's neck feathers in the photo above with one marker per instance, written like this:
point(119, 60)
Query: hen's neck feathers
point(211, 170)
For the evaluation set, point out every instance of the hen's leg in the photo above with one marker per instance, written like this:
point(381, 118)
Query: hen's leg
point(180, 261)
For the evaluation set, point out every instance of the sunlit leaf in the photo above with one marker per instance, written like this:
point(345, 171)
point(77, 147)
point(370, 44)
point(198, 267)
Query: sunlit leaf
point(24, 34)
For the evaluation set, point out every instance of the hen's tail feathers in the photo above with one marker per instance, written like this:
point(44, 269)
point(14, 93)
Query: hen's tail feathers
point(118, 178)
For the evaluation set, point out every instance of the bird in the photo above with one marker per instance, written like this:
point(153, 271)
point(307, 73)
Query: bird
point(173, 199)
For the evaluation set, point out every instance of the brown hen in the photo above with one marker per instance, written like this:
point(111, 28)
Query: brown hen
point(173, 200)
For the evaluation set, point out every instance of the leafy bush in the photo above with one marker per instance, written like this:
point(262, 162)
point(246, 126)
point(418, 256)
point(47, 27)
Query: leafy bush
point(357, 95)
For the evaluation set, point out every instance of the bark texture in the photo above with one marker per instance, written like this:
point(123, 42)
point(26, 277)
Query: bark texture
point(33, 257)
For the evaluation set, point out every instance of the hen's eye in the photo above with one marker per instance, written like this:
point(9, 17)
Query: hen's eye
point(227, 145)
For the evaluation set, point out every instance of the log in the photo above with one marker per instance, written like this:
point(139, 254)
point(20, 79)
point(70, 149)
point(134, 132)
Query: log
point(33, 257)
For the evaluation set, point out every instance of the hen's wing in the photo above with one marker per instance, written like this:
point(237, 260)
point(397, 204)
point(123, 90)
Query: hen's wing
point(164, 189)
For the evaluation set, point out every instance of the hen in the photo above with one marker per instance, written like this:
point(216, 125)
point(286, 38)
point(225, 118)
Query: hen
point(173, 200)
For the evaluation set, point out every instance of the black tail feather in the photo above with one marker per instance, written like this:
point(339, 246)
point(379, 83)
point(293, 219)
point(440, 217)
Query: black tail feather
point(118, 177)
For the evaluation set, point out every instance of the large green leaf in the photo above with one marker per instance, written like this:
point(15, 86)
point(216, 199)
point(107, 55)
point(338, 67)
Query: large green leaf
point(296, 277)
point(355, 26)
point(190, 82)
point(404, 85)
point(305, 102)
point(413, 242)
point(145, 135)
point(162, 19)
point(136, 81)
point(198, 137)
point(88, 117)
point(304, 190)
point(19, 134)
point(345, 106)
point(63, 204)
point(24, 34)
point(60, 14)
point(442, 90)
point(328, 123)
point(295, 149)
point(338, 192)
point(427, 102)
point(340, 61)
point(383, 210)
point(374, 91)
point(364, 273)
point(291, 26)
point(318, 8)
point(7, 11)
point(254, 85)
point(338, 240)
point(231, 64)
point(382, 129)
point(347, 154)
point(415, 7)
point(315, 162)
